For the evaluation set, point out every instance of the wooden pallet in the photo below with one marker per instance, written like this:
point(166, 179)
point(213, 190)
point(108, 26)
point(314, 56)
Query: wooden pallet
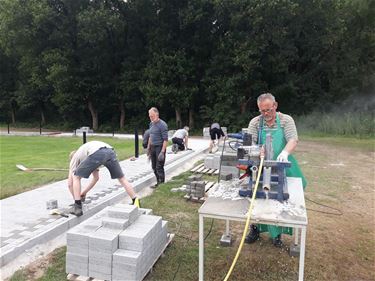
point(195, 199)
point(201, 169)
point(75, 277)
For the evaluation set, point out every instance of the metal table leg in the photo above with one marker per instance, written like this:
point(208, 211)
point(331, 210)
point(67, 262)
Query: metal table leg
point(296, 236)
point(302, 254)
point(201, 247)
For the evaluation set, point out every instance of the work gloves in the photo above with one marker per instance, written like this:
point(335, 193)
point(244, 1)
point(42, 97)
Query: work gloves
point(283, 156)
point(161, 156)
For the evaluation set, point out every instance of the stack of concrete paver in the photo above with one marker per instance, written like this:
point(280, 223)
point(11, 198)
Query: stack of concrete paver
point(119, 243)
point(196, 186)
point(196, 189)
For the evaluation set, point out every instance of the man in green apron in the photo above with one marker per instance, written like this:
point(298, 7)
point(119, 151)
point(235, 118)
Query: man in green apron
point(284, 141)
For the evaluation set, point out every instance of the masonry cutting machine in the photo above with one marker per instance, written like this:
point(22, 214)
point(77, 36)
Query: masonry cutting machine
point(273, 178)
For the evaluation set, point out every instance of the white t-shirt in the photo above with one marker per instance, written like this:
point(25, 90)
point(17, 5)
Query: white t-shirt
point(180, 133)
point(84, 151)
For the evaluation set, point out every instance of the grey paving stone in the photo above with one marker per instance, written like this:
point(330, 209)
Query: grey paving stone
point(123, 211)
point(115, 223)
point(104, 241)
point(143, 211)
point(136, 237)
point(126, 257)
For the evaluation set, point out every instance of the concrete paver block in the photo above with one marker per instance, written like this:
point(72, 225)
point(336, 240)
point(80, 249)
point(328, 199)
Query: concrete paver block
point(114, 223)
point(126, 257)
point(104, 241)
point(123, 211)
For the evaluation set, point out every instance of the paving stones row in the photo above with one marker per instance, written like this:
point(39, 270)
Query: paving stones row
point(121, 242)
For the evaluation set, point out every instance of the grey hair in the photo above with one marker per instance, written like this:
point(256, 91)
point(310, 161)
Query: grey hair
point(266, 96)
point(186, 128)
point(154, 109)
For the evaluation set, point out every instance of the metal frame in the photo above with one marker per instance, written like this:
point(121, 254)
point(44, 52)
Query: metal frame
point(295, 185)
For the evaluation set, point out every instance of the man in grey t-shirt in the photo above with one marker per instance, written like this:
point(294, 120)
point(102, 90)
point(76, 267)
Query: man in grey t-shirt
point(157, 144)
point(85, 162)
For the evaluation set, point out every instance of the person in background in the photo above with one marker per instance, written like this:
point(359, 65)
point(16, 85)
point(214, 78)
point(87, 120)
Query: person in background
point(180, 139)
point(215, 134)
point(157, 144)
point(86, 161)
point(284, 142)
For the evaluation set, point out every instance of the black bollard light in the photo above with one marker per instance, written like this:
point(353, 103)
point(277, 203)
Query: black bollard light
point(8, 129)
point(84, 137)
point(136, 143)
point(40, 127)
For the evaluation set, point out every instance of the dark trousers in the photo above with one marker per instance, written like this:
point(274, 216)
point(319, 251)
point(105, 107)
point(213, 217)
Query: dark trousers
point(157, 166)
point(179, 142)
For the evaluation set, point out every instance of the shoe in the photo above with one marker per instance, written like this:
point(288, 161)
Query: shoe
point(277, 241)
point(253, 236)
point(175, 148)
point(77, 210)
point(137, 202)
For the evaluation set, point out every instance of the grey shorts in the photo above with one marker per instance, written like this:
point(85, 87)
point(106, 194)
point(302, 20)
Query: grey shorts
point(104, 156)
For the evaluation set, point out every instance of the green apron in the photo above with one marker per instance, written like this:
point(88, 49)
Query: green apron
point(278, 144)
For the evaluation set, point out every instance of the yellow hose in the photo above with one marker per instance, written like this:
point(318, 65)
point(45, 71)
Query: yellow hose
point(247, 221)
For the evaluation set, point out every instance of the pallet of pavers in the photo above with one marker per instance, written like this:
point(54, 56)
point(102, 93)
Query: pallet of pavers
point(121, 242)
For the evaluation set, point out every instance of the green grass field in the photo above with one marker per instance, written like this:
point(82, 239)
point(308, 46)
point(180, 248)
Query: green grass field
point(43, 152)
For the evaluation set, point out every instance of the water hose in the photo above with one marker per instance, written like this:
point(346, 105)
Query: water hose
point(247, 220)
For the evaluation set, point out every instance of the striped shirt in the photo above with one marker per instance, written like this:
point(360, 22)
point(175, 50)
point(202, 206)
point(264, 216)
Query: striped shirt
point(158, 132)
point(286, 122)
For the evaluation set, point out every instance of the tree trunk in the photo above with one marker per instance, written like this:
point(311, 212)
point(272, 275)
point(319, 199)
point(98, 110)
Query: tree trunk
point(13, 112)
point(178, 118)
point(13, 116)
point(191, 118)
point(42, 117)
point(244, 104)
point(122, 114)
point(94, 115)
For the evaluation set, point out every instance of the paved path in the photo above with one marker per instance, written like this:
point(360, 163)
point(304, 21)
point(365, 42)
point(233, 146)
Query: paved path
point(25, 221)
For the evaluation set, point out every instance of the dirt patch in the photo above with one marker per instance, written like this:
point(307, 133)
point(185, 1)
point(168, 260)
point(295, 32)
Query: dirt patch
point(37, 268)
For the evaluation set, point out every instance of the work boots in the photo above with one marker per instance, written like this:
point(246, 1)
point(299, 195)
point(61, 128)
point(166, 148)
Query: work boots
point(277, 241)
point(175, 148)
point(253, 235)
point(77, 210)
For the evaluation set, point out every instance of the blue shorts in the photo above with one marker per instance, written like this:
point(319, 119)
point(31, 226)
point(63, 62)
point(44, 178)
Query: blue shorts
point(104, 156)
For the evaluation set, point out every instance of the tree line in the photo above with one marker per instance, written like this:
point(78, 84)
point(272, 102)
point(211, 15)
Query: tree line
point(105, 62)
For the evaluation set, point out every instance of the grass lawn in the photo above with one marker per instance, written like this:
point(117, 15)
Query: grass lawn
point(339, 247)
point(44, 152)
